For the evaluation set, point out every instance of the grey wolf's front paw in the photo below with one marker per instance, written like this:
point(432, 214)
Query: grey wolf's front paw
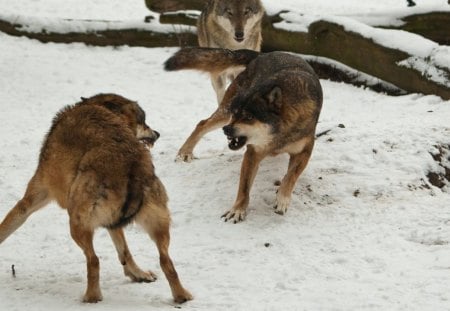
point(282, 204)
point(184, 157)
point(235, 215)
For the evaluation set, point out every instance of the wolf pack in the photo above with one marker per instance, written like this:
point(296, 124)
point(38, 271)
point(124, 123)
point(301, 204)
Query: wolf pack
point(95, 161)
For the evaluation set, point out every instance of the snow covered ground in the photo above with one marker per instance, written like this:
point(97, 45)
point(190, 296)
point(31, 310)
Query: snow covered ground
point(365, 230)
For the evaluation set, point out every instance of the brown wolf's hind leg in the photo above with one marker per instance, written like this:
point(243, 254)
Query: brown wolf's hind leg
point(130, 268)
point(83, 237)
point(155, 219)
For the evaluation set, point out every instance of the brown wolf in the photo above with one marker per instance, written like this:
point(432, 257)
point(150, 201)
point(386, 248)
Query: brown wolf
point(93, 163)
point(272, 107)
point(230, 24)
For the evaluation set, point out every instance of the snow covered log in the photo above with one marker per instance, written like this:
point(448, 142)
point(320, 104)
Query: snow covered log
point(98, 32)
point(162, 6)
point(381, 53)
point(433, 25)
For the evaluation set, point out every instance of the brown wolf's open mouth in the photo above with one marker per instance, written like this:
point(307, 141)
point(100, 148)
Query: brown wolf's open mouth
point(235, 143)
point(148, 141)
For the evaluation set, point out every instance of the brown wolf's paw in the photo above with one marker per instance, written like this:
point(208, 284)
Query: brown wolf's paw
point(184, 157)
point(282, 204)
point(93, 297)
point(142, 276)
point(183, 297)
point(235, 215)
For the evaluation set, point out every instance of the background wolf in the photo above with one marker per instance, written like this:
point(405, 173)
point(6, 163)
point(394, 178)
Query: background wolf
point(230, 24)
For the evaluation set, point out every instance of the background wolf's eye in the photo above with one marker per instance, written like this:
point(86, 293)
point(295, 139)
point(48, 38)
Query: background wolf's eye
point(229, 12)
point(248, 118)
point(248, 11)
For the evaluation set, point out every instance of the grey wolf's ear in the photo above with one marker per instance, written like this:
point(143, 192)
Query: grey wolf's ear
point(274, 97)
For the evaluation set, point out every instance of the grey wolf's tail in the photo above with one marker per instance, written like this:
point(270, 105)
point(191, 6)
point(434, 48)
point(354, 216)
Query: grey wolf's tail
point(211, 60)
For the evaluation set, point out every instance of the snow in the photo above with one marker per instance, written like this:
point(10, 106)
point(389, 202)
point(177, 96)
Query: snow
point(365, 229)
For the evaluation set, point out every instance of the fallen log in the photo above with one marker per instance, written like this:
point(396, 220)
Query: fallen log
point(434, 26)
point(323, 38)
point(102, 34)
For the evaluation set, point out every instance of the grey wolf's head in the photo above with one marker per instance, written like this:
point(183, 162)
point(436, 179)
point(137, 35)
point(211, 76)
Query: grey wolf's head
point(254, 118)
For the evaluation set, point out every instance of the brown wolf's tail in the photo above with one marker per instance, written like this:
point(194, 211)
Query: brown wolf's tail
point(211, 60)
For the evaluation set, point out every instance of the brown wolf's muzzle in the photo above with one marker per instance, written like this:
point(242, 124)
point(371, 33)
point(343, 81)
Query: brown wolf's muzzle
point(151, 139)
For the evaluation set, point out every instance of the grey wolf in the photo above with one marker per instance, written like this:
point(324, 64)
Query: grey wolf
point(272, 107)
point(95, 164)
point(230, 24)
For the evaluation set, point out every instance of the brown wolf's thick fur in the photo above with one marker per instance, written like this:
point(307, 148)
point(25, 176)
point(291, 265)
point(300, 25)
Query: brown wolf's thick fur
point(272, 107)
point(95, 164)
point(230, 24)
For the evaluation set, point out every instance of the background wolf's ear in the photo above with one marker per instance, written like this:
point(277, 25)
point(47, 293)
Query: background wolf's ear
point(274, 97)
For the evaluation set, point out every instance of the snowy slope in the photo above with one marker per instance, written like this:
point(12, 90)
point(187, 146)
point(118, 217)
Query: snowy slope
point(364, 232)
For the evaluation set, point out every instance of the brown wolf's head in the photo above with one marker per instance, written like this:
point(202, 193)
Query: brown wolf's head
point(130, 112)
point(238, 17)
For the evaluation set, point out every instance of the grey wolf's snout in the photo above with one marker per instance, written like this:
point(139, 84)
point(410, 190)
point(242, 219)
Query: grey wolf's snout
point(228, 130)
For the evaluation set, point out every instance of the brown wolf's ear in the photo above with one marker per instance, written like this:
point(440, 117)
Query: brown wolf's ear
point(274, 97)
point(114, 107)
